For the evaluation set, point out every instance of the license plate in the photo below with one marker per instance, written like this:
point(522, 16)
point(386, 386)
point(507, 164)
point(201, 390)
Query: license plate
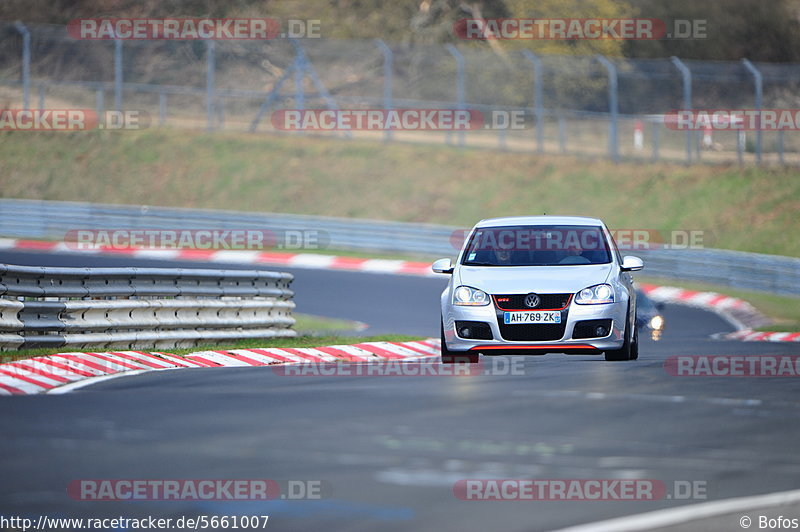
point(542, 316)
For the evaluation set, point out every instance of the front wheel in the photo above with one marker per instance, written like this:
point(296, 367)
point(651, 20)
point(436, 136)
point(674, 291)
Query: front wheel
point(629, 349)
point(456, 357)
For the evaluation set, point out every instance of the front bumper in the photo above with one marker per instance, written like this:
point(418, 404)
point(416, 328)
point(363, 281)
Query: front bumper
point(616, 312)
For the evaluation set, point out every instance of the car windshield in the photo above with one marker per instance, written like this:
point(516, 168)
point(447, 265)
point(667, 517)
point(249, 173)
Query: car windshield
point(537, 245)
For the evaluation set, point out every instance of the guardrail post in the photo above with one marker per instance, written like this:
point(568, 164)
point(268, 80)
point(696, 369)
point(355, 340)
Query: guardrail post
point(562, 134)
point(780, 146)
point(118, 74)
point(538, 92)
point(26, 64)
point(388, 60)
point(210, 71)
point(759, 96)
point(460, 94)
point(686, 75)
point(613, 106)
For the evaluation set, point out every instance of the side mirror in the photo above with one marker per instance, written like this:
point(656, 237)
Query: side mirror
point(631, 264)
point(442, 266)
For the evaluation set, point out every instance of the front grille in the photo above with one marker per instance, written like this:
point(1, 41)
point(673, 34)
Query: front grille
point(539, 332)
point(517, 301)
point(586, 328)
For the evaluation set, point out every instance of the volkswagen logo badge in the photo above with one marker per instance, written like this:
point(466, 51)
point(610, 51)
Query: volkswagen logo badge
point(532, 301)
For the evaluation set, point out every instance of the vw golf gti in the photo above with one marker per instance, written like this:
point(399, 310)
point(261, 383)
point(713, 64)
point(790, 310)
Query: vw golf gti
point(536, 285)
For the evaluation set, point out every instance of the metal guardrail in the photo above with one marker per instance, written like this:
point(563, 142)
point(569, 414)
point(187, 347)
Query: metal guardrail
point(127, 307)
point(51, 220)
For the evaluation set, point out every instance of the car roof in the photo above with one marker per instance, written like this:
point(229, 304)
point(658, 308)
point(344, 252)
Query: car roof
point(539, 220)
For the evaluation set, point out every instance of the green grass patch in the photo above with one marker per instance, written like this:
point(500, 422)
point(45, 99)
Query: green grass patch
point(309, 324)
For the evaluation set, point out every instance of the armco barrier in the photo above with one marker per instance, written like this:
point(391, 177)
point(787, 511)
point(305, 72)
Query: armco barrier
point(124, 307)
point(48, 220)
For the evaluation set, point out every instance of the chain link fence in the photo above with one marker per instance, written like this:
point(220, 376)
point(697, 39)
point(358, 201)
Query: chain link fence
point(582, 105)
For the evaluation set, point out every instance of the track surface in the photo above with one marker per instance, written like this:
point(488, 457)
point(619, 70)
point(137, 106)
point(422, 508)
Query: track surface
point(392, 447)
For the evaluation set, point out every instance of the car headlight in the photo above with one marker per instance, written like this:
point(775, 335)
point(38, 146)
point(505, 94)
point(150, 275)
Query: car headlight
point(595, 295)
point(657, 322)
point(468, 296)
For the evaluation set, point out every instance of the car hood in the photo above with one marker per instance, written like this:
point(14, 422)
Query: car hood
point(540, 279)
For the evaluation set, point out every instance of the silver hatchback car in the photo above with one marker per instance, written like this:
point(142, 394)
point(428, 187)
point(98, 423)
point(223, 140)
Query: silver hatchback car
point(536, 285)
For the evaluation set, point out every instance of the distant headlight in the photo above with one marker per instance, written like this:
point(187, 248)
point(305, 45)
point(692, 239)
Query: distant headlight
point(595, 295)
point(468, 296)
point(656, 323)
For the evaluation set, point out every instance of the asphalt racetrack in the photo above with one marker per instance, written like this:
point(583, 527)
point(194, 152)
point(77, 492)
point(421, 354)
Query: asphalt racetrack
point(390, 449)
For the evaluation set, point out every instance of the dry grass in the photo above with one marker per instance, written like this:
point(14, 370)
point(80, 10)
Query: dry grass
point(745, 209)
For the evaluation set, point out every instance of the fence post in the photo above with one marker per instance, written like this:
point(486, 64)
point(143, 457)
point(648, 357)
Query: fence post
point(656, 140)
point(118, 74)
point(613, 105)
point(299, 77)
point(759, 86)
point(99, 102)
point(459, 84)
point(538, 91)
point(388, 60)
point(26, 64)
point(162, 108)
point(210, 72)
point(41, 96)
point(686, 74)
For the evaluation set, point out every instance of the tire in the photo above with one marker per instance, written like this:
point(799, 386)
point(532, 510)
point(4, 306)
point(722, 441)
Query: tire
point(630, 347)
point(456, 357)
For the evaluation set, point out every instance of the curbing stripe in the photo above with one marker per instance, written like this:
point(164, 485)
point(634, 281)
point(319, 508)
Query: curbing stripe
point(380, 351)
point(76, 360)
point(274, 357)
point(118, 361)
point(147, 358)
point(241, 358)
point(20, 376)
point(63, 372)
point(32, 369)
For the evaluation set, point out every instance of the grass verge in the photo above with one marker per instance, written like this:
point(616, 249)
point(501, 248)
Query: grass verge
point(749, 209)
